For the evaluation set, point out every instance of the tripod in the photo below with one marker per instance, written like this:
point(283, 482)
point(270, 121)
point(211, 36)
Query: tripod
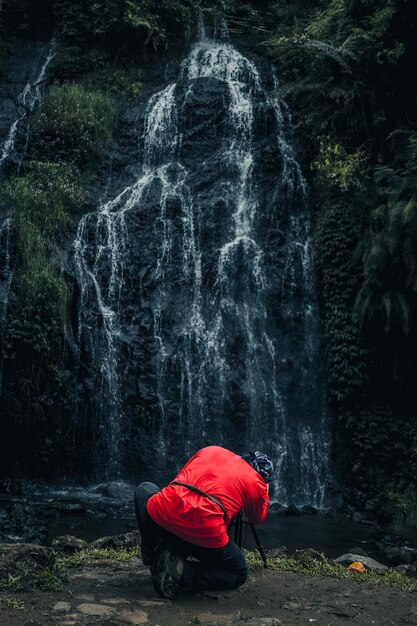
point(240, 522)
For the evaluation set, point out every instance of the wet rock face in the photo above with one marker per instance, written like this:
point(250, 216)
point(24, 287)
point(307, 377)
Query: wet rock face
point(21, 522)
point(197, 313)
point(194, 304)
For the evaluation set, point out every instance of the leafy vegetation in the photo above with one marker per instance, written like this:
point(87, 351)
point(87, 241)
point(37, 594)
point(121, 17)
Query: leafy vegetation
point(47, 574)
point(44, 202)
point(7, 602)
point(402, 505)
point(344, 66)
point(126, 24)
point(73, 123)
point(87, 556)
point(313, 567)
point(42, 211)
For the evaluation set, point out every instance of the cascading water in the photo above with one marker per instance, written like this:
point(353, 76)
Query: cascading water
point(29, 98)
point(198, 311)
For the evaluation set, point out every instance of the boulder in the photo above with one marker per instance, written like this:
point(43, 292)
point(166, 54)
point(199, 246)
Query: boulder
point(276, 507)
point(309, 553)
point(68, 544)
point(118, 542)
point(18, 560)
point(115, 489)
point(399, 556)
point(11, 486)
point(408, 570)
point(17, 514)
point(278, 553)
point(370, 564)
point(307, 509)
point(292, 510)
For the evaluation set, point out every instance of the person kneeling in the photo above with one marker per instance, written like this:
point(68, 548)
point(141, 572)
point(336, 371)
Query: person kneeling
point(191, 517)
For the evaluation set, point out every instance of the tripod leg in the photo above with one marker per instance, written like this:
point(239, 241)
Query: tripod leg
point(259, 545)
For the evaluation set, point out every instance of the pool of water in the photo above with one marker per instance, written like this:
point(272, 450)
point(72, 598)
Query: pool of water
point(101, 510)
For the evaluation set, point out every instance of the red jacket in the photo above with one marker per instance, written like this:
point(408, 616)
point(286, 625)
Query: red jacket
point(195, 518)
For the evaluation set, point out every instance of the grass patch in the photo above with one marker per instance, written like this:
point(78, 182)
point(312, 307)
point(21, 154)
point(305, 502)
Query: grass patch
point(73, 123)
point(310, 567)
point(44, 202)
point(12, 583)
point(47, 573)
point(7, 602)
point(89, 555)
point(402, 506)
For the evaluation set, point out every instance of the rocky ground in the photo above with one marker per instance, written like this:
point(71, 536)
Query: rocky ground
point(108, 592)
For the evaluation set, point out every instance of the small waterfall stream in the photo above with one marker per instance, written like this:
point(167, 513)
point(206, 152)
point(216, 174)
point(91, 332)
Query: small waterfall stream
point(28, 99)
point(197, 313)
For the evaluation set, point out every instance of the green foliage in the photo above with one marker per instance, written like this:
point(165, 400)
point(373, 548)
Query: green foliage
point(389, 246)
point(402, 505)
point(43, 203)
point(7, 602)
point(312, 567)
point(26, 18)
point(337, 167)
point(89, 555)
point(11, 583)
point(126, 24)
point(381, 439)
point(338, 232)
point(73, 123)
point(72, 62)
point(47, 574)
point(344, 64)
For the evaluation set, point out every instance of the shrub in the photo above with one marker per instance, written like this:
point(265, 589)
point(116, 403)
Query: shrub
point(43, 202)
point(337, 167)
point(73, 124)
point(402, 504)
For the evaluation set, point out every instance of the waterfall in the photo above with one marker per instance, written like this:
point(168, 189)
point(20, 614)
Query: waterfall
point(28, 99)
point(197, 309)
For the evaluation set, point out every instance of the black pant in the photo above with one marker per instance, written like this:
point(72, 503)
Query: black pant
point(218, 568)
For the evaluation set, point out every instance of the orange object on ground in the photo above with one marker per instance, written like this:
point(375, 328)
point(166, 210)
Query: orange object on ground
point(357, 566)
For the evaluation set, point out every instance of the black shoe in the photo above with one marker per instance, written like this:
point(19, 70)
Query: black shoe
point(165, 576)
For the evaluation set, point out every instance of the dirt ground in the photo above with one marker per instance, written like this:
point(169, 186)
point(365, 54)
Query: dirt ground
point(111, 593)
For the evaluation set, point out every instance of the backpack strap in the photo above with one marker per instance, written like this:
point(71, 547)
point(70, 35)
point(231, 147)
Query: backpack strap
point(203, 493)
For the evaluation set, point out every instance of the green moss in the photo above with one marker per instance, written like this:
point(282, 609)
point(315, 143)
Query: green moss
point(73, 124)
point(311, 567)
point(7, 602)
point(11, 583)
point(129, 26)
point(47, 573)
point(73, 62)
point(87, 556)
point(44, 202)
